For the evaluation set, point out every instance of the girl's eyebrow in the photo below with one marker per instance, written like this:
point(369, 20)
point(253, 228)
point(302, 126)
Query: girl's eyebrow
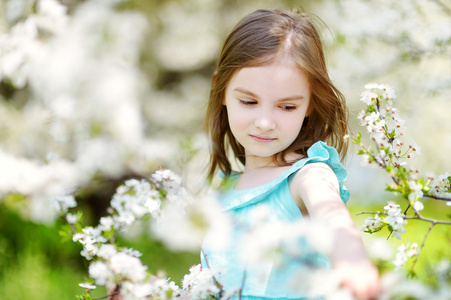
point(244, 91)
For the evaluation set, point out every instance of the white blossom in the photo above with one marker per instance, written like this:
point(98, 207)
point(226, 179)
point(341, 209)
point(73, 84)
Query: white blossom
point(319, 283)
point(128, 267)
point(63, 203)
point(92, 92)
point(368, 97)
point(106, 223)
point(380, 248)
point(283, 242)
point(416, 192)
point(106, 251)
point(405, 251)
point(373, 122)
point(87, 285)
point(396, 219)
point(372, 223)
point(200, 283)
point(133, 200)
point(131, 252)
point(100, 272)
point(71, 219)
point(136, 291)
point(418, 205)
point(441, 186)
point(193, 220)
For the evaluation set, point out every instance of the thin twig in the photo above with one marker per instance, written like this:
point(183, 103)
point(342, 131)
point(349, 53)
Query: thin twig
point(408, 206)
point(208, 266)
point(240, 293)
point(73, 228)
point(422, 245)
point(435, 222)
point(106, 296)
point(437, 197)
point(370, 213)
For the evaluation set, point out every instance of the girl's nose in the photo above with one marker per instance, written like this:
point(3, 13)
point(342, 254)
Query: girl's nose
point(265, 122)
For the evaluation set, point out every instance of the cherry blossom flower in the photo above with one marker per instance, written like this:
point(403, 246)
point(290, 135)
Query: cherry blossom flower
point(127, 267)
point(106, 251)
point(200, 283)
point(87, 285)
point(372, 223)
point(405, 251)
point(100, 272)
point(394, 218)
point(71, 219)
point(441, 186)
point(63, 203)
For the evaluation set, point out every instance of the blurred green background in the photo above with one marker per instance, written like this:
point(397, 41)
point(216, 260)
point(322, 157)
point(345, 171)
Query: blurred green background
point(401, 43)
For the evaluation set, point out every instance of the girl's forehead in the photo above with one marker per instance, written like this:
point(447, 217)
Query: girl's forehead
point(278, 79)
point(278, 61)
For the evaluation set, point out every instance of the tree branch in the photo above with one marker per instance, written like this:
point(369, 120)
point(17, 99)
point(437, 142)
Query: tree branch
point(420, 218)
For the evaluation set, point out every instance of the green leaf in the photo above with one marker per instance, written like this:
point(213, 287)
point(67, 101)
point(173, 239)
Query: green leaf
point(391, 188)
point(360, 152)
point(371, 108)
point(356, 139)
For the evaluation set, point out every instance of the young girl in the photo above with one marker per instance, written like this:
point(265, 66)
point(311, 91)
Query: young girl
point(274, 106)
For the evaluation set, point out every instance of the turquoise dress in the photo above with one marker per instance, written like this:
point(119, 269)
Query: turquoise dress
point(267, 281)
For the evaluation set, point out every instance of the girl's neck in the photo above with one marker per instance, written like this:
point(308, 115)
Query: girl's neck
point(255, 163)
point(259, 171)
point(251, 178)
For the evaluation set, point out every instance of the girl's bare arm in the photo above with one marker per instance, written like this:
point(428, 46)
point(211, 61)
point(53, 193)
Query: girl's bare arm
point(316, 186)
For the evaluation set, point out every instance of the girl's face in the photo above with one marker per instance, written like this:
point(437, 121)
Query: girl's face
point(266, 107)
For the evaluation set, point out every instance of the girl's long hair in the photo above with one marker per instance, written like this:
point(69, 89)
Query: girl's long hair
point(257, 40)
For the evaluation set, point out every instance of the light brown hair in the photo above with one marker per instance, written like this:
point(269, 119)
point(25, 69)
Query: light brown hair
point(257, 40)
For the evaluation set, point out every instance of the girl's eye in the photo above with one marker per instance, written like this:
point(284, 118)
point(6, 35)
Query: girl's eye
point(247, 102)
point(288, 107)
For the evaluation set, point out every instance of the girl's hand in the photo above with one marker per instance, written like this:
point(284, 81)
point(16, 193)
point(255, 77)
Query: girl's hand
point(362, 279)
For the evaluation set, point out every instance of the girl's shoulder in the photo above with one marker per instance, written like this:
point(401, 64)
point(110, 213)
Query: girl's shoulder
point(323, 164)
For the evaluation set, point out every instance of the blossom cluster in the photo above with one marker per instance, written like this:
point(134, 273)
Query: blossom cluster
point(201, 284)
point(79, 70)
point(405, 251)
point(283, 242)
point(392, 216)
point(441, 186)
point(133, 201)
point(384, 124)
point(157, 199)
point(303, 246)
point(385, 128)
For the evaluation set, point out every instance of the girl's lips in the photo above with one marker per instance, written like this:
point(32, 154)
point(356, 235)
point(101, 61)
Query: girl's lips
point(262, 139)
